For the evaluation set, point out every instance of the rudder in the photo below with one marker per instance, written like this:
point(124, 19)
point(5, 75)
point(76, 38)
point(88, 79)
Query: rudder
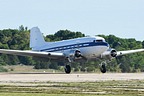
point(36, 38)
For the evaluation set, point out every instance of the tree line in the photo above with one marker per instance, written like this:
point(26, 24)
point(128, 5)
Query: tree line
point(18, 39)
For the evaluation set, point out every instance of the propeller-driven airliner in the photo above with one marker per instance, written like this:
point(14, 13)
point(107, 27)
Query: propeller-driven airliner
point(69, 51)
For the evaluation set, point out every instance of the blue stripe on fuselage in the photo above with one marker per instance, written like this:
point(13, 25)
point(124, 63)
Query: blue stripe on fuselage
point(73, 46)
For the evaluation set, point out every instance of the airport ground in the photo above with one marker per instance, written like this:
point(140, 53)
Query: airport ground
point(52, 84)
point(24, 81)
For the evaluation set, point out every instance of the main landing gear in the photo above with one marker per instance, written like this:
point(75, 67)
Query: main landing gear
point(103, 67)
point(67, 69)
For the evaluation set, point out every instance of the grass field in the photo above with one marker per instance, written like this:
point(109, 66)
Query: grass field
point(40, 94)
point(100, 88)
point(23, 69)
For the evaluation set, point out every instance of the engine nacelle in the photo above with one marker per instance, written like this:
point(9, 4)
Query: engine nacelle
point(74, 53)
point(113, 53)
point(77, 53)
point(109, 54)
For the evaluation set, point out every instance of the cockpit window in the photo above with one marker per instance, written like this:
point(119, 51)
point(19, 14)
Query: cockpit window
point(99, 40)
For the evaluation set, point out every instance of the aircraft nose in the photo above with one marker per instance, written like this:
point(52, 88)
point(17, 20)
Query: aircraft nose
point(108, 45)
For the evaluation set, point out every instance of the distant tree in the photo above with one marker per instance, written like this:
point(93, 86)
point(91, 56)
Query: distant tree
point(37, 66)
point(143, 44)
point(125, 65)
point(21, 28)
point(26, 28)
point(64, 35)
point(53, 65)
point(41, 65)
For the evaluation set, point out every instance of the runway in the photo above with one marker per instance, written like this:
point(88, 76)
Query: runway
point(47, 77)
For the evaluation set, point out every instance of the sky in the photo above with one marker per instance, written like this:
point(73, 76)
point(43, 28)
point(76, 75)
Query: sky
point(122, 18)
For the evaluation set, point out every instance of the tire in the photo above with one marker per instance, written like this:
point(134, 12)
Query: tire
point(67, 69)
point(103, 68)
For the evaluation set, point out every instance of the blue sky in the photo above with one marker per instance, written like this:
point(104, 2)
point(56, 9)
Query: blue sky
point(123, 18)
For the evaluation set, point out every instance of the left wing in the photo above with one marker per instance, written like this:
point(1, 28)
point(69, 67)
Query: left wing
point(53, 55)
point(113, 53)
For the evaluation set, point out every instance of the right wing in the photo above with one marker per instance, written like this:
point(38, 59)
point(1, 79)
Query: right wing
point(120, 53)
point(52, 55)
point(113, 53)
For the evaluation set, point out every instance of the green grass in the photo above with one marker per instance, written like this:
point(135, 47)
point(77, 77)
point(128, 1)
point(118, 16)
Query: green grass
point(100, 88)
point(26, 69)
point(42, 94)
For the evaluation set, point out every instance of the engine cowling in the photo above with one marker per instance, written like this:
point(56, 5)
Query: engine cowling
point(77, 54)
point(73, 54)
point(111, 53)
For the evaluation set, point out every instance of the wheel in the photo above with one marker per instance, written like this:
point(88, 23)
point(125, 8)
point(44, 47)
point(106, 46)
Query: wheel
point(103, 68)
point(67, 69)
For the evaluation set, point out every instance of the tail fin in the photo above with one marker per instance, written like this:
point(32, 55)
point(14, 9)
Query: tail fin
point(36, 38)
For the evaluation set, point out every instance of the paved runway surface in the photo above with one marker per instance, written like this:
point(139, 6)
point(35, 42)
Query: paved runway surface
point(5, 77)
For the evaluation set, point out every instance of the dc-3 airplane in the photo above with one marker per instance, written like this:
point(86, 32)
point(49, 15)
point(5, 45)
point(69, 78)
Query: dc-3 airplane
point(69, 51)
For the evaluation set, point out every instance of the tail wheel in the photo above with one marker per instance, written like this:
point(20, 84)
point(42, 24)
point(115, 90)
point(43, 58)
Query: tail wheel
point(67, 69)
point(103, 68)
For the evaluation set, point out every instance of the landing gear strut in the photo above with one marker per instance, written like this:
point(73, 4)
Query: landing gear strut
point(67, 69)
point(103, 67)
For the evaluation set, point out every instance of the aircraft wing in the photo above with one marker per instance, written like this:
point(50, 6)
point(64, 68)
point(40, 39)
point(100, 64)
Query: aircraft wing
point(53, 55)
point(113, 53)
point(120, 53)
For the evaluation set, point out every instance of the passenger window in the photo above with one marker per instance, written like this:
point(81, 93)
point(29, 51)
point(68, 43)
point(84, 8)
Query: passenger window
point(94, 40)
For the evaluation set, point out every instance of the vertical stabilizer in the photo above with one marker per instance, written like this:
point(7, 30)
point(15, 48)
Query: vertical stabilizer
point(36, 38)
